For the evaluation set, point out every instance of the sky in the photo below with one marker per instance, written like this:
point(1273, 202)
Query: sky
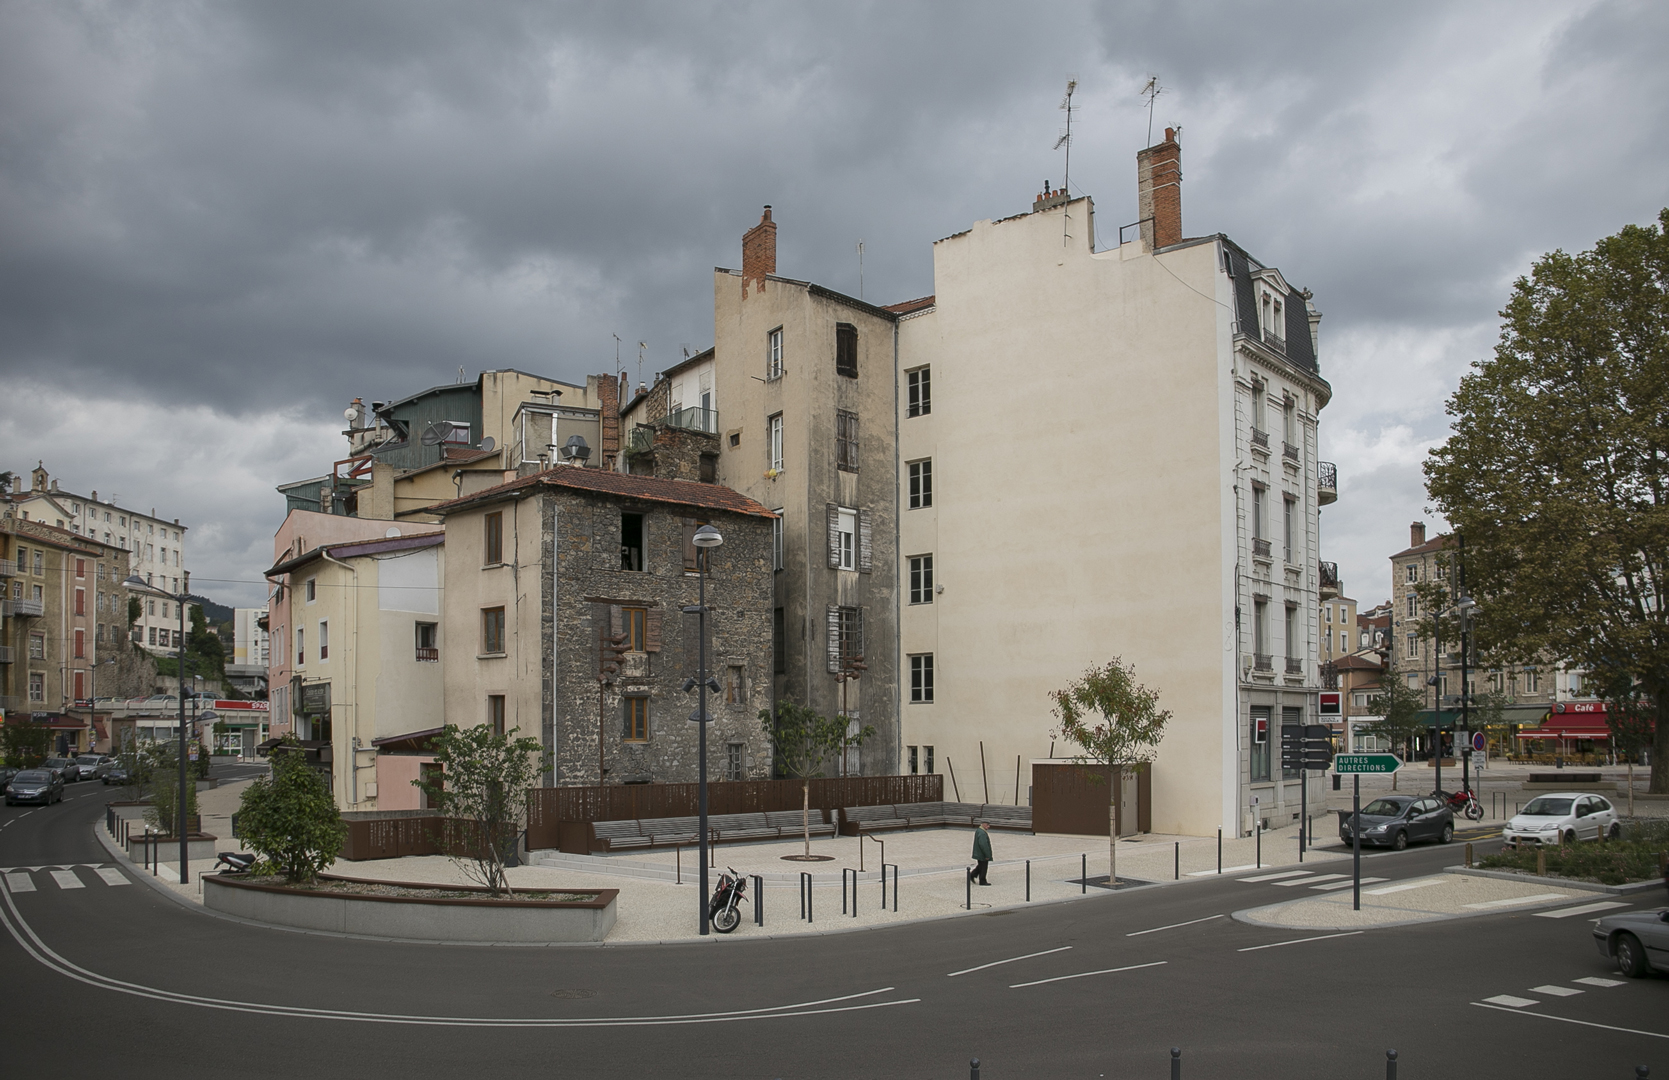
point(219, 223)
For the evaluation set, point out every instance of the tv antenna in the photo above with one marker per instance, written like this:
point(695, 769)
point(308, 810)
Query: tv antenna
point(1151, 91)
point(1066, 138)
point(617, 367)
point(860, 269)
point(641, 348)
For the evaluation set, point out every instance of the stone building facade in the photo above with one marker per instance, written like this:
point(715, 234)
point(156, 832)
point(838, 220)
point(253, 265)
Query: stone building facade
point(551, 572)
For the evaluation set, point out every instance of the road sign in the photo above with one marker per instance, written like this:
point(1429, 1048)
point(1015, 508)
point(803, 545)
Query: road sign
point(1328, 703)
point(1366, 763)
point(1478, 740)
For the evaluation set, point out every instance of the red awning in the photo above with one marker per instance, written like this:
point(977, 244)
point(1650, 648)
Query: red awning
point(1578, 726)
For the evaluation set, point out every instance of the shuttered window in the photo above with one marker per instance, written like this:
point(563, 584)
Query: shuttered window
point(846, 441)
point(638, 629)
point(850, 539)
point(846, 350)
point(845, 626)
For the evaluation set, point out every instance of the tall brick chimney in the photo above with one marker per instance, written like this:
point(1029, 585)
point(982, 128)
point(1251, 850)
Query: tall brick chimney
point(608, 401)
point(1416, 534)
point(759, 252)
point(1159, 192)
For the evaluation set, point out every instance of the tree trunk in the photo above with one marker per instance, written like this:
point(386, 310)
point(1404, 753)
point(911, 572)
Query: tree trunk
point(805, 815)
point(1659, 784)
point(1114, 774)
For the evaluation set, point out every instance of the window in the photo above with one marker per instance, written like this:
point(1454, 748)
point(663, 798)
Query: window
point(919, 389)
point(324, 640)
point(1289, 527)
point(846, 350)
point(1260, 512)
point(921, 579)
point(81, 601)
point(1442, 570)
point(848, 539)
point(845, 636)
point(81, 568)
point(492, 630)
point(735, 690)
point(1260, 628)
point(921, 679)
point(1327, 613)
point(312, 590)
point(779, 642)
point(773, 354)
point(1292, 727)
point(1260, 744)
point(80, 646)
point(1411, 572)
point(776, 540)
point(434, 781)
point(1413, 646)
point(633, 621)
point(495, 713)
point(708, 467)
point(692, 554)
point(1291, 630)
point(1289, 422)
point(846, 441)
point(914, 757)
point(40, 566)
point(494, 539)
point(631, 542)
point(921, 484)
point(98, 634)
point(1532, 681)
point(37, 686)
point(1259, 391)
point(636, 714)
point(428, 644)
point(1413, 605)
point(301, 646)
point(773, 443)
point(927, 760)
point(37, 646)
point(733, 761)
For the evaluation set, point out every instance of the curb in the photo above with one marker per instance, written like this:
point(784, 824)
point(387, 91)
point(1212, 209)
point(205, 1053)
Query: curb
point(1559, 882)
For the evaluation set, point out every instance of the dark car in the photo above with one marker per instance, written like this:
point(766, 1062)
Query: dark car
point(6, 774)
point(66, 767)
point(94, 766)
point(117, 774)
point(1637, 940)
point(35, 785)
point(1395, 821)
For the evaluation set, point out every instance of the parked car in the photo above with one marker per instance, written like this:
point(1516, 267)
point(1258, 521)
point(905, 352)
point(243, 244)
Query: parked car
point(94, 766)
point(1395, 821)
point(1563, 818)
point(117, 774)
point(66, 768)
point(6, 774)
point(1637, 940)
point(35, 785)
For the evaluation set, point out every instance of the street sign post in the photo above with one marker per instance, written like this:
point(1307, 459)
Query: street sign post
point(1366, 763)
point(1354, 765)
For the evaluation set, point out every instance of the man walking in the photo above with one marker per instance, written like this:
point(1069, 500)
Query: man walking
point(982, 853)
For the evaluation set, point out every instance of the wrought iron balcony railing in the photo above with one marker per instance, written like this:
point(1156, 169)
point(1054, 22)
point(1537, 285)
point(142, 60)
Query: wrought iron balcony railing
point(1262, 662)
point(1260, 548)
point(1295, 666)
point(1260, 438)
point(1289, 451)
point(1273, 340)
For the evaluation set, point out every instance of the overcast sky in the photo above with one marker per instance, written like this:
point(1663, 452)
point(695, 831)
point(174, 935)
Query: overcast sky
point(221, 222)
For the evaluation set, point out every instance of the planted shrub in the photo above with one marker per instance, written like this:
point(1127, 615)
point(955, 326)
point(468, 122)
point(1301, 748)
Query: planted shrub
point(289, 818)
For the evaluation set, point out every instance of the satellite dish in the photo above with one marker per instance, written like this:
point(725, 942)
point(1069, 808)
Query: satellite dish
point(488, 445)
point(392, 532)
point(435, 433)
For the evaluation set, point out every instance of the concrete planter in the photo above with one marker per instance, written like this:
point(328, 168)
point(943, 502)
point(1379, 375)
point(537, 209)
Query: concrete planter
point(416, 918)
point(167, 848)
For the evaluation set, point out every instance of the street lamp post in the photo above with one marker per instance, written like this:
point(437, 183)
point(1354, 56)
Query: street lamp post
point(135, 582)
point(706, 538)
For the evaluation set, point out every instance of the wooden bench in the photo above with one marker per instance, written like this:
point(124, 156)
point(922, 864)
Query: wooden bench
point(738, 827)
point(617, 835)
point(857, 820)
point(1018, 818)
point(790, 823)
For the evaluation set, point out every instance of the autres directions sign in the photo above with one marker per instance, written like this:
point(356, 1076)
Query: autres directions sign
point(1366, 763)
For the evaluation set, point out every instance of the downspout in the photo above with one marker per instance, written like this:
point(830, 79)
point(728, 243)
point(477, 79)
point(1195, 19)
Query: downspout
point(897, 546)
point(353, 683)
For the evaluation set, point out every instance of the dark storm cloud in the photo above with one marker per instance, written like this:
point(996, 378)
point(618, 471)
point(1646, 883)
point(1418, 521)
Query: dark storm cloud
point(261, 210)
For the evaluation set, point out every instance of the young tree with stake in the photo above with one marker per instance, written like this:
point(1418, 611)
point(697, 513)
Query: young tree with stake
point(803, 741)
point(482, 788)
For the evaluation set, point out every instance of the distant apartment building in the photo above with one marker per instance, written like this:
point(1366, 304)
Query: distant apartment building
point(1339, 634)
point(155, 545)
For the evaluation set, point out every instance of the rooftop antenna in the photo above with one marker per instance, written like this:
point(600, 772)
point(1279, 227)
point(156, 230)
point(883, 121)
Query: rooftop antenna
point(1151, 91)
point(1066, 141)
point(460, 373)
point(860, 269)
point(641, 348)
point(617, 366)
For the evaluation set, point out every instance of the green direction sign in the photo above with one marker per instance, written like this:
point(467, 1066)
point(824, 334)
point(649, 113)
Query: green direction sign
point(1366, 763)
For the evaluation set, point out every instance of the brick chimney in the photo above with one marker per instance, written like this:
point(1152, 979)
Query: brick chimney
point(1159, 192)
point(1416, 534)
point(759, 252)
point(608, 402)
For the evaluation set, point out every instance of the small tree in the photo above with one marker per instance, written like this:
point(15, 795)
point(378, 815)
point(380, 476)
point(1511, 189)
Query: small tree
point(802, 742)
point(289, 818)
point(1115, 721)
point(25, 744)
point(1399, 706)
point(164, 779)
point(137, 761)
point(482, 787)
point(1633, 724)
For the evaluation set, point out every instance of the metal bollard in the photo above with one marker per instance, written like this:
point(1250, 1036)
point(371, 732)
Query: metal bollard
point(805, 897)
point(1176, 1063)
point(1219, 851)
point(758, 900)
point(1083, 873)
point(970, 901)
point(1641, 1072)
point(1390, 1065)
point(1259, 831)
point(1469, 854)
point(973, 1069)
point(843, 872)
point(1028, 881)
point(1178, 873)
point(884, 886)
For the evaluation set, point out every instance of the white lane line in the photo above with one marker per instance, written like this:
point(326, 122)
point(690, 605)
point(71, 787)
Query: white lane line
point(113, 876)
point(1173, 926)
point(1565, 913)
point(1555, 991)
point(1277, 877)
point(1568, 1020)
point(1224, 870)
point(1310, 880)
point(1345, 884)
point(1087, 974)
point(20, 883)
point(1514, 901)
point(66, 879)
point(1594, 980)
point(1404, 887)
point(1010, 960)
point(1511, 1002)
point(1299, 941)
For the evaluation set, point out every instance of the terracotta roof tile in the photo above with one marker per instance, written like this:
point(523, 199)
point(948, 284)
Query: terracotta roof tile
point(606, 482)
point(1437, 544)
point(909, 306)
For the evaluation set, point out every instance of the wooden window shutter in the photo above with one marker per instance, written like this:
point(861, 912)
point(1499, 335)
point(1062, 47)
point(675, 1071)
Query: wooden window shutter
point(616, 621)
point(834, 639)
point(690, 559)
point(834, 536)
point(865, 559)
point(652, 629)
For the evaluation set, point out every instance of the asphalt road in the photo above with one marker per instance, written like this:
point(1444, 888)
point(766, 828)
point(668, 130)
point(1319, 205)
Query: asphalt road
point(106, 980)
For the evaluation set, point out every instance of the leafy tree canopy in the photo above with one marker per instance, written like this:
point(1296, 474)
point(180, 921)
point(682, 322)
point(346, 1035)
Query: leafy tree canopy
point(1557, 470)
point(289, 818)
point(482, 789)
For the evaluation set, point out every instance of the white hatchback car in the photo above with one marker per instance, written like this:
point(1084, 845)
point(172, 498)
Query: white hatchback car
point(1563, 818)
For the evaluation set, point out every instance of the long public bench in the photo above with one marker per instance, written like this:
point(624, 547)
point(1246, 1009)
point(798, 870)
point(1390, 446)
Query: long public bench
point(856, 820)
point(732, 828)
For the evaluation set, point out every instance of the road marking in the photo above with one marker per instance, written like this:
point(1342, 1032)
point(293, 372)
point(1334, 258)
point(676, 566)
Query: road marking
point(1224, 870)
point(20, 883)
point(1087, 974)
point(1512, 1002)
point(1594, 980)
point(1565, 913)
point(1555, 991)
point(1513, 901)
point(1311, 880)
point(1347, 883)
point(1298, 941)
point(1568, 1020)
point(1173, 926)
point(1010, 960)
point(113, 876)
point(66, 879)
point(1404, 887)
point(1277, 877)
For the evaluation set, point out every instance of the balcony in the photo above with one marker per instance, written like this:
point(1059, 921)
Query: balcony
point(31, 608)
point(1260, 439)
point(6, 654)
point(1273, 340)
point(1295, 666)
point(428, 656)
point(1289, 451)
point(694, 420)
point(8, 568)
point(1327, 482)
point(1262, 662)
point(1260, 548)
point(1329, 579)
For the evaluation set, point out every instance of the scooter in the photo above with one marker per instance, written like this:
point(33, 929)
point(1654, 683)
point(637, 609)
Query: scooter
point(235, 862)
point(1463, 802)
point(722, 909)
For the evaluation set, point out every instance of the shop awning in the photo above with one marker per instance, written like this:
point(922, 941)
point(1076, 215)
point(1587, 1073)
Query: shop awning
point(412, 742)
point(1579, 726)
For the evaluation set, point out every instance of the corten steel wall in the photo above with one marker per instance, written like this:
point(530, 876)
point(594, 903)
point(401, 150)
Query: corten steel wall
point(549, 808)
point(393, 838)
point(1073, 799)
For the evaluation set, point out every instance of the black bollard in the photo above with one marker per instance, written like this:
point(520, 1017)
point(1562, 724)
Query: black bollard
point(1390, 1065)
point(973, 1069)
point(1176, 1063)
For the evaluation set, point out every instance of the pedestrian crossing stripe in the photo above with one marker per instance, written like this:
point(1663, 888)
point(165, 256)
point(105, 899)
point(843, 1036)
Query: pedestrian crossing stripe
point(52, 866)
point(18, 879)
point(66, 879)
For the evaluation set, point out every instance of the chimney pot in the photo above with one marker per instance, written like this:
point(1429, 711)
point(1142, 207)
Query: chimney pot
point(1417, 534)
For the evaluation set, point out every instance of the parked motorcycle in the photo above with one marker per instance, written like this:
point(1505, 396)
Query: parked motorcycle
point(1463, 802)
point(234, 862)
point(722, 910)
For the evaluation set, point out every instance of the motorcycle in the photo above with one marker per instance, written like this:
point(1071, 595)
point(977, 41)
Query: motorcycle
point(722, 910)
point(1463, 802)
point(234, 862)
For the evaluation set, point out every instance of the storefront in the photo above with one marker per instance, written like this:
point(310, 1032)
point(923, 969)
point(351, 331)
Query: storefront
point(1573, 729)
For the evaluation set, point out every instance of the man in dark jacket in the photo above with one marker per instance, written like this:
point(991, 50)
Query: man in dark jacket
point(982, 853)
